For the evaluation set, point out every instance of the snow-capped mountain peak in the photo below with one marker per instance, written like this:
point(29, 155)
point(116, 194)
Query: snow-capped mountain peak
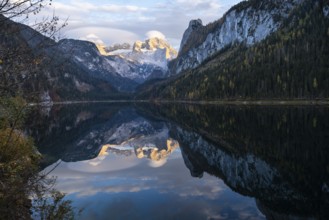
point(154, 44)
point(122, 62)
point(145, 60)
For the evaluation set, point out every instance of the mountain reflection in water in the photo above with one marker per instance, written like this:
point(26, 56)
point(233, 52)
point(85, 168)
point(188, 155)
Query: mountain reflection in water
point(139, 161)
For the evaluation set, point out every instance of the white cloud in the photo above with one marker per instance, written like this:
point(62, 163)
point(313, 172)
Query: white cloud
point(179, 192)
point(153, 34)
point(93, 38)
point(120, 22)
point(122, 8)
point(85, 6)
point(102, 35)
point(129, 174)
point(202, 5)
point(157, 164)
point(82, 5)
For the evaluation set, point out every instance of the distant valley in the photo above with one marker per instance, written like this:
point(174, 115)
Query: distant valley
point(79, 70)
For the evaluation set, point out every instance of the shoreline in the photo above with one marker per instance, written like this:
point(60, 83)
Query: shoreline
point(260, 102)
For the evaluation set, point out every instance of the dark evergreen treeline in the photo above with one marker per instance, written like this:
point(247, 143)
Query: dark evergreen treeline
point(291, 63)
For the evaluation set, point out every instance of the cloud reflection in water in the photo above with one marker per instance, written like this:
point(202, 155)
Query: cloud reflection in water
point(124, 187)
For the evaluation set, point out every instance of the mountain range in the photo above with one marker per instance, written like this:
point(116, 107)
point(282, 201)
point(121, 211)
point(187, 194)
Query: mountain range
point(258, 50)
point(75, 69)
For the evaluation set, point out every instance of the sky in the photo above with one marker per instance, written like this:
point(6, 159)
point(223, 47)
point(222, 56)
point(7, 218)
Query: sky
point(114, 21)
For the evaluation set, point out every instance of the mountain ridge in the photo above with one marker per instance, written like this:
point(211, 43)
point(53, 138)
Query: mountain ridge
point(123, 68)
point(30, 66)
point(290, 63)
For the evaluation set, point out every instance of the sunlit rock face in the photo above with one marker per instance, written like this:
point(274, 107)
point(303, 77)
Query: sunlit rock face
point(156, 154)
point(101, 49)
point(249, 22)
point(138, 45)
point(154, 44)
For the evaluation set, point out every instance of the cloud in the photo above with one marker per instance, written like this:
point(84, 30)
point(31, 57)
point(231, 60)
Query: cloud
point(129, 174)
point(85, 6)
point(129, 22)
point(198, 6)
point(152, 34)
point(122, 8)
point(157, 164)
point(179, 193)
point(93, 38)
point(102, 35)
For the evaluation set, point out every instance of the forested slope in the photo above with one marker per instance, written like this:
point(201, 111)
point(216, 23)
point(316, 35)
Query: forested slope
point(290, 63)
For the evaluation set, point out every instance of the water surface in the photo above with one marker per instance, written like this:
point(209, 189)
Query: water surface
point(188, 161)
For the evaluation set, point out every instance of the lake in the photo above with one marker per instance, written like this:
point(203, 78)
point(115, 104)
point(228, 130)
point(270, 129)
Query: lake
point(178, 161)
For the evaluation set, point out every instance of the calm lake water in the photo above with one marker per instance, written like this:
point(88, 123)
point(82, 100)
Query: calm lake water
point(143, 161)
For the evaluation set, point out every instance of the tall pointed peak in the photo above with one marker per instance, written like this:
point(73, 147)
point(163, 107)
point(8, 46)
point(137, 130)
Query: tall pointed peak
point(193, 26)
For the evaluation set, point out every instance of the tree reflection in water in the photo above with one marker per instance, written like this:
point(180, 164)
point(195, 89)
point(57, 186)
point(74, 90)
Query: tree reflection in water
point(279, 155)
point(24, 192)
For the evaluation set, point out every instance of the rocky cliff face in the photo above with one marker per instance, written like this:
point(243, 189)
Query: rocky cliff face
point(248, 22)
point(194, 25)
point(155, 44)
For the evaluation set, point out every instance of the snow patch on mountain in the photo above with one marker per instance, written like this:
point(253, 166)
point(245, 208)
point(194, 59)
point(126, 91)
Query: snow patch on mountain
point(134, 70)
